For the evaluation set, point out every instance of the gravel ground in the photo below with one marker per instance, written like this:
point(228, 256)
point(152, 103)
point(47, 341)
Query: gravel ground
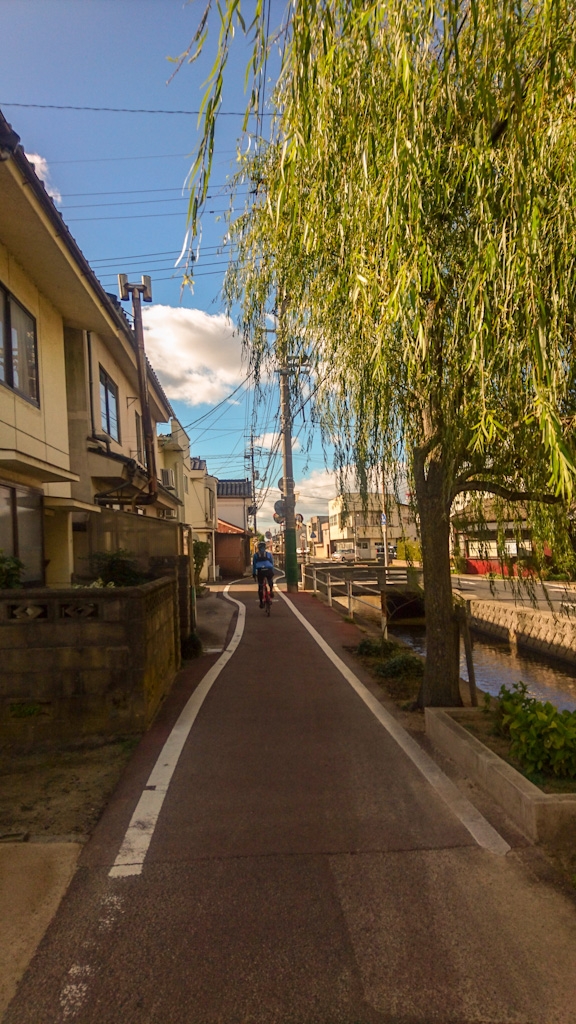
point(59, 794)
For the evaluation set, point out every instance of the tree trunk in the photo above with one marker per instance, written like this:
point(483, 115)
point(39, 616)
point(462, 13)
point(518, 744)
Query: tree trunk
point(440, 686)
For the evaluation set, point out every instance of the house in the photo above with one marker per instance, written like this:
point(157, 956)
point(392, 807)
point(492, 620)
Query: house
point(36, 296)
point(232, 550)
point(316, 536)
point(195, 487)
point(484, 545)
point(359, 524)
point(235, 507)
point(72, 459)
point(235, 502)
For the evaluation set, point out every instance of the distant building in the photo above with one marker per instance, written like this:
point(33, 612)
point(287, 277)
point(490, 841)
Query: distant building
point(356, 524)
point(188, 477)
point(316, 536)
point(235, 502)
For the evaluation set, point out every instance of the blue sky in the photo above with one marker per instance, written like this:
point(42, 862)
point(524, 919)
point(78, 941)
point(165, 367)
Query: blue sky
point(118, 179)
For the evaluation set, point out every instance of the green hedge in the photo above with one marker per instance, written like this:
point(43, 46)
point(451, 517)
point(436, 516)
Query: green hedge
point(542, 738)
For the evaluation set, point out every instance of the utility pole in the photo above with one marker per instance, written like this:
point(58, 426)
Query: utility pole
point(145, 289)
point(290, 557)
point(253, 481)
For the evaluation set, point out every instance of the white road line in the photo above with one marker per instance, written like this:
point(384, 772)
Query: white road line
point(132, 853)
point(74, 992)
point(478, 827)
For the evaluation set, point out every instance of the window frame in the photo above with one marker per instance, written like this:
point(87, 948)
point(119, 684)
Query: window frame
point(111, 387)
point(16, 489)
point(8, 380)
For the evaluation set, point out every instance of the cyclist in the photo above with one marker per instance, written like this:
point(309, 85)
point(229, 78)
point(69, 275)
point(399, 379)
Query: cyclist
point(263, 567)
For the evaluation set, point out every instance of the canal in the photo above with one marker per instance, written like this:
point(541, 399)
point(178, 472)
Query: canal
point(497, 663)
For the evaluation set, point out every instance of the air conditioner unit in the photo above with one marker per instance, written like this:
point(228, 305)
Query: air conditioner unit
point(169, 513)
point(167, 477)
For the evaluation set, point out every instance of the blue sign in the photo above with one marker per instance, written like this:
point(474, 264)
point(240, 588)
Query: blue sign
point(383, 518)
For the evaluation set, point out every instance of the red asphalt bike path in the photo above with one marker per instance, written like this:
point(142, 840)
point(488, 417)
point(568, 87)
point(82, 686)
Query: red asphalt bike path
point(302, 871)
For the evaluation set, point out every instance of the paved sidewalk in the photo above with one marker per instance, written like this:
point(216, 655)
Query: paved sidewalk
point(302, 870)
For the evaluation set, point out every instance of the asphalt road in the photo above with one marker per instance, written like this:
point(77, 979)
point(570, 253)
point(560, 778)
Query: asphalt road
point(302, 870)
point(559, 596)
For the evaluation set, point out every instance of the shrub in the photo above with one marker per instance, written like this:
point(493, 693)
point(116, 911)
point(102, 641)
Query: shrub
point(201, 550)
point(459, 563)
point(542, 738)
point(402, 665)
point(117, 567)
point(191, 647)
point(11, 570)
point(377, 648)
point(409, 550)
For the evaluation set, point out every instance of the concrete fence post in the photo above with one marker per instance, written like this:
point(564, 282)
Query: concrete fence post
point(381, 577)
point(349, 584)
point(314, 584)
point(329, 589)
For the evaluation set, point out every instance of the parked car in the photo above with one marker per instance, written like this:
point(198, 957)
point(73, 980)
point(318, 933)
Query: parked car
point(344, 555)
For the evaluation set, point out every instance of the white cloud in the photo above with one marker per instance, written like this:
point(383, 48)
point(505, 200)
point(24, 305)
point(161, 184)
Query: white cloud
point(197, 357)
point(40, 165)
point(271, 440)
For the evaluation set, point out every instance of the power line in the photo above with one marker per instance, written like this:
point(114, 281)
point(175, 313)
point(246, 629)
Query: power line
point(174, 277)
point(119, 110)
point(138, 216)
point(125, 202)
point(130, 191)
point(224, 401)
point(117, 159)
point(145, 255)
point(142, 202)
point(138, 202)
point(197, 263)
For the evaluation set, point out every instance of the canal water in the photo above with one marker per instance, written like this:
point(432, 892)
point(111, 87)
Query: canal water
point(497, 663)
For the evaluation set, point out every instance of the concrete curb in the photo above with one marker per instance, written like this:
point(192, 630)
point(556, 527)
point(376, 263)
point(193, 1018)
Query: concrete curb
point(541, 816)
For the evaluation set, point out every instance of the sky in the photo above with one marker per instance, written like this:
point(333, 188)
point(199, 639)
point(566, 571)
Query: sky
point(118, 178)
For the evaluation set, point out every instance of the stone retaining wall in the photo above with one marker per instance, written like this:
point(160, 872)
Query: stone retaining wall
point(546, 632)
point(85, 664)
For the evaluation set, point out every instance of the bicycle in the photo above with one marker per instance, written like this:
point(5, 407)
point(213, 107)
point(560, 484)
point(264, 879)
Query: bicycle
point(266, 596)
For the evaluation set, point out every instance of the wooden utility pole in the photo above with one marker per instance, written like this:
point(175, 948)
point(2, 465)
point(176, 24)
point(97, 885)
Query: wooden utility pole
point(290, 556)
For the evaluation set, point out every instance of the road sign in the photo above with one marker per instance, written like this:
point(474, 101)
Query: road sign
point(299, 518)
point(280, 507)
point(278, 519)
point(268, 535)
point(383, 519)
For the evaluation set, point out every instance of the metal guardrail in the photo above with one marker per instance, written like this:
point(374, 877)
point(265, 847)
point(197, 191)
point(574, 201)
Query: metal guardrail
point(334, 582)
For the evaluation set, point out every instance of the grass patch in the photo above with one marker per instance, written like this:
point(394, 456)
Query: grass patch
point(60, 792)
point(395, 668)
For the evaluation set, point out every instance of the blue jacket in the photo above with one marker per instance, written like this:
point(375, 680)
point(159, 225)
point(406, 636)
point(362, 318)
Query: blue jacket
point(264, 561)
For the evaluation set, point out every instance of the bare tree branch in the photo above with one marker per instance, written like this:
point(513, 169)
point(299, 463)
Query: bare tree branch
point(486, 486)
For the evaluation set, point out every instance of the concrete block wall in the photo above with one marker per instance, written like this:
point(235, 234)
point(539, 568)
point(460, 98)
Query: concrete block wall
point(542, 631)
point(84, 664)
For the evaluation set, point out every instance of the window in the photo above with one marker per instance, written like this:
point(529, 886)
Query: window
point(186, 483)
point(18, 355)
point(21, 529)
point(139, 438)
point(109, 405)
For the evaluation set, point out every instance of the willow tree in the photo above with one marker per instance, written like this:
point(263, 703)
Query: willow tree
point(415, 204)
